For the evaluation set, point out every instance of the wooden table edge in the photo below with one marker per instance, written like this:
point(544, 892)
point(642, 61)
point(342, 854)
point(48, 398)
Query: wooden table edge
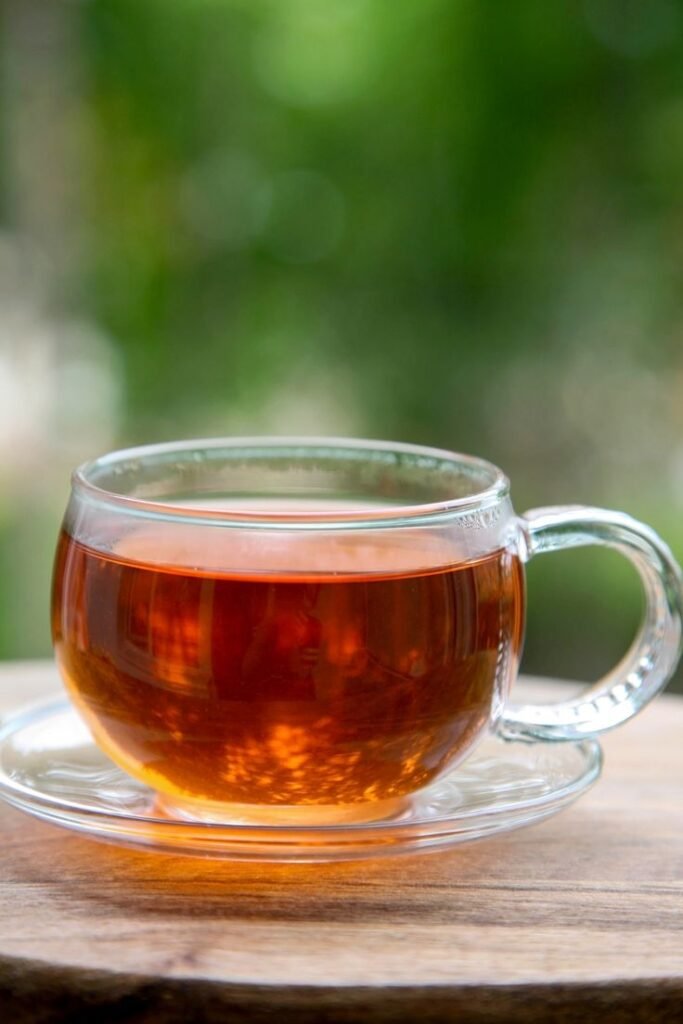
point(73, 992)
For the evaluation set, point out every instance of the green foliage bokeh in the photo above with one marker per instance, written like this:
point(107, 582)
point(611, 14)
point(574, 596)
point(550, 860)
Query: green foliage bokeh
point(455, 223)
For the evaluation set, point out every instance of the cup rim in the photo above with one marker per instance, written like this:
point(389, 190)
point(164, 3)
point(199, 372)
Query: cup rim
point(105, 497)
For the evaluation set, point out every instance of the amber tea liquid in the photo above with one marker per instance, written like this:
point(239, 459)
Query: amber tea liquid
point(283, 687)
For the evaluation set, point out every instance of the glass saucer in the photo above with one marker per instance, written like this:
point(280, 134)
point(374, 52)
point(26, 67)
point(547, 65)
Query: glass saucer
point(51, 768)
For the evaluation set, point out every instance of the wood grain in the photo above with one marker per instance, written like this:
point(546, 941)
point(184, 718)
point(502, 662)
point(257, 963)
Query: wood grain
point(582, 914)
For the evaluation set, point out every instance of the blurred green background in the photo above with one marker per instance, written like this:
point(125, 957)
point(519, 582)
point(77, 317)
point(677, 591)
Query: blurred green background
point(456, 222)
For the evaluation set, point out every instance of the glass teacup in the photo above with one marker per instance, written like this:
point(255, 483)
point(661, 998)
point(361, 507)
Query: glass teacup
point(309, 631)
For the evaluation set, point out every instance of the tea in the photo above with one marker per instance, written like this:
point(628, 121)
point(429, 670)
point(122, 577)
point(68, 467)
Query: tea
point(300, 685)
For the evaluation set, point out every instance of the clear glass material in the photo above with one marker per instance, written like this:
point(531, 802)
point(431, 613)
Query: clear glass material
point(305, 632)
point(648, 665)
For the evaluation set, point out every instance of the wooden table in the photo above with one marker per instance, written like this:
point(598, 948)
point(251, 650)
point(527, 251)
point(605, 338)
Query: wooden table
point(578, 917)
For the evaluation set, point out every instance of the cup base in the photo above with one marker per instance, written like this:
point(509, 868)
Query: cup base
point(281, 815)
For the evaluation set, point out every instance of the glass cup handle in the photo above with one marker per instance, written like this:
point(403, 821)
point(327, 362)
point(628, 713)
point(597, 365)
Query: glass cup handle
point(652, 658)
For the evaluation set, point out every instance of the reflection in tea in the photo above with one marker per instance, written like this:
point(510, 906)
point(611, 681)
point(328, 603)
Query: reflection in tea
point(284, 688)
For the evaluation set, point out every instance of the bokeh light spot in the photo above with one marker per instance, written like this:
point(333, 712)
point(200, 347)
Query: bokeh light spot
point(313, 54)
point(306, 217)
point(224, 200)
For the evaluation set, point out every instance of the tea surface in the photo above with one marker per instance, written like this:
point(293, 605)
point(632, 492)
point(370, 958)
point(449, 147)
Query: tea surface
point(304, 687)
